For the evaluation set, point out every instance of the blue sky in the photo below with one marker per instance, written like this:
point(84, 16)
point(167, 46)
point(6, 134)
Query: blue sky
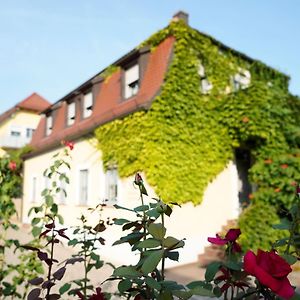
point(51, 47)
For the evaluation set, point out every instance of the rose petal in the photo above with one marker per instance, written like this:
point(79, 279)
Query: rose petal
point(249, 262)
point(285, 290)
point(233, 234)
point(217, 240)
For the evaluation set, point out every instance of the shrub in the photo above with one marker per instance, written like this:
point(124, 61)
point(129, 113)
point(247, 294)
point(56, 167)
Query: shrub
point(256, 226)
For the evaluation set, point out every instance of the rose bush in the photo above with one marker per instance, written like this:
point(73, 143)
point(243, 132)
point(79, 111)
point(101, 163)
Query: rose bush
point(271, 270)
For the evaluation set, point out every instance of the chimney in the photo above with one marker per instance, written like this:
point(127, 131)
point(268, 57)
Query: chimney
point(181, 15)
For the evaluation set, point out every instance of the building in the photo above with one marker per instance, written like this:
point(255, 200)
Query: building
point(18, 124)
point(136, 87)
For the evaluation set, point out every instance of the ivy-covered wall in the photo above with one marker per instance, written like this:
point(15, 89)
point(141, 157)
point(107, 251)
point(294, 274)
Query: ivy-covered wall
point(187, 137)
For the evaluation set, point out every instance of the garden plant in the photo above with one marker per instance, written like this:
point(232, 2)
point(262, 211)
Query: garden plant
point(243, 274)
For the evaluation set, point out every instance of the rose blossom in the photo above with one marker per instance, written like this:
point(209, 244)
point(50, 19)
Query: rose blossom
point(271, 270)
point(12, 165)
point(230, 238)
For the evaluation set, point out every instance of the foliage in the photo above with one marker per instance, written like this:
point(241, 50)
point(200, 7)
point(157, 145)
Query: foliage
point(88, 238)
point(186, 131)
point(256, 223)
point(147, 236)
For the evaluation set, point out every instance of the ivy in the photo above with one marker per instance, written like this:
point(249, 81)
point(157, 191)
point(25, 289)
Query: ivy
point(187, 138)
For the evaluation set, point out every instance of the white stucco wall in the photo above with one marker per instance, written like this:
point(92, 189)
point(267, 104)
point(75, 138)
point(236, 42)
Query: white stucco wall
point(195, 223)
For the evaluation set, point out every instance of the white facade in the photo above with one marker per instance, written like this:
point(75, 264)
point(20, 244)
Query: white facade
point(194, 223)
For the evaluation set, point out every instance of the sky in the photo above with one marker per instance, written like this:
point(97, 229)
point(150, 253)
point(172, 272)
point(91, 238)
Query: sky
point(52, 46)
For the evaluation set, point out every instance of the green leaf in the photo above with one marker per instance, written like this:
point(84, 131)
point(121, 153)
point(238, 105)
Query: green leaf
point(35, 221)
point(142, 208)
point(95, 256)
point(172, 255)
point(73, 242)
point(295, 297)
point(49, 200)
point(195, 284)
point(153, 283)
point(233, 265)
point(284, 225)
point(54, 208)
point(121, 221)
point(290, 259)
point(64, 288)
point(212, 270)
point(200, 291)
point(122, 207)
point(149, 243)
point(128, 271)
point(152, 261)
point(183, 294)
point(172, 243)
point(60, 219)
point(36, 231)
point(153, 213)
point(158, 231)
point(124, 285)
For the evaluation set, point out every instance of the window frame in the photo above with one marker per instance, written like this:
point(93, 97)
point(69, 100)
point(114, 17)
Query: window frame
point(108, 177)
point(49, 129)
point(80, 199)
point(86, 108)
point(71, 118)
point(125, 85)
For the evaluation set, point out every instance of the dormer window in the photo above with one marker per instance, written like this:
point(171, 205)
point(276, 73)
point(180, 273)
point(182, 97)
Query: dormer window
point(205, 85)
point(87, 105)
point(242, 79)
point(71, 114)
point(131, 81)
point(49, 124)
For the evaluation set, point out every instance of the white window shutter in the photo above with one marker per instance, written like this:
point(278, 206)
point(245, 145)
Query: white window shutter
point(131, 76)
point(49, 124)
point(87, 105)
point(71, 113)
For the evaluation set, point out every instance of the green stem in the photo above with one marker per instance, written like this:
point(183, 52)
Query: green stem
point(85, 268)
point(163, 247)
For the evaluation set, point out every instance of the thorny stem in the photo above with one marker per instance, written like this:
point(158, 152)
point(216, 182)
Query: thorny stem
point(50, 264)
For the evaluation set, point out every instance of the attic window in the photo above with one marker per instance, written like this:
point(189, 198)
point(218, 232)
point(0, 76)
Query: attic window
point(205, 85)
point(49, 124)
point(87, 105)
point(242, 79)
point(131, 81)
point(71, 114)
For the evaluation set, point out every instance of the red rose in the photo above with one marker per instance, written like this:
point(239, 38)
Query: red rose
point(271, 270)
point(12, 165)
point(284, 166)
point(277, 190)
point(229, 239)
point(68, 144)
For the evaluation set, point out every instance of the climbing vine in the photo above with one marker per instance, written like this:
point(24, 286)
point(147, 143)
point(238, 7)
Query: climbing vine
point(187, 137)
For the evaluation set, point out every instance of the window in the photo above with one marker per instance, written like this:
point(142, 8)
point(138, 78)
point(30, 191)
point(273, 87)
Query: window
point(205, 85)
point(49, 124)
point(15, 131)
point(71, 114)
point(83, 186)
point(111, 185)
point(131, 81)
point(87, 105)
point(33, 189)
point(29, 132)
point(242, 79)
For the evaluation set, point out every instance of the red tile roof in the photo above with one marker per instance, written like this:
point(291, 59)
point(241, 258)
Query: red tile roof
point(34, 103)
point(108, 104)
